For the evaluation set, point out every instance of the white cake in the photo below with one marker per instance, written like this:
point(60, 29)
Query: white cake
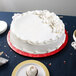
point(37, 32)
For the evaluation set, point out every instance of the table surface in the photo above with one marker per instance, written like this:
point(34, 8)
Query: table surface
point(62, 63)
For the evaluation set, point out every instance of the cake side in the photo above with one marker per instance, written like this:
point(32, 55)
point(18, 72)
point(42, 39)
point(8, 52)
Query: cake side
point(26, 46)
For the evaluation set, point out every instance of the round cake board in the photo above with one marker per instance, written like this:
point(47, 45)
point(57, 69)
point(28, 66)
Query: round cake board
point(37, 55)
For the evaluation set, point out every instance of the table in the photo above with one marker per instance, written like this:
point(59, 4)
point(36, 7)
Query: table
point(62, 63)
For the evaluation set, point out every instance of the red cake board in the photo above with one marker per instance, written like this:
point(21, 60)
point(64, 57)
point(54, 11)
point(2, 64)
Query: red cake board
point(37, 55)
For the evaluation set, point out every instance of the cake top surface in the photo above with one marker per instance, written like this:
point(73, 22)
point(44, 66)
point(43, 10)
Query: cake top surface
point(37, 26)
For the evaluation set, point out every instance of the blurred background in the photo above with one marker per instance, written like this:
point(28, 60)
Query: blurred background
point(60, 7)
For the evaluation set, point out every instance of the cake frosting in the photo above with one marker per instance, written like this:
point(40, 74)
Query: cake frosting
point(37, 32)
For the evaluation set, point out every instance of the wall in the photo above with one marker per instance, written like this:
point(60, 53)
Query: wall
point(61, 7)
